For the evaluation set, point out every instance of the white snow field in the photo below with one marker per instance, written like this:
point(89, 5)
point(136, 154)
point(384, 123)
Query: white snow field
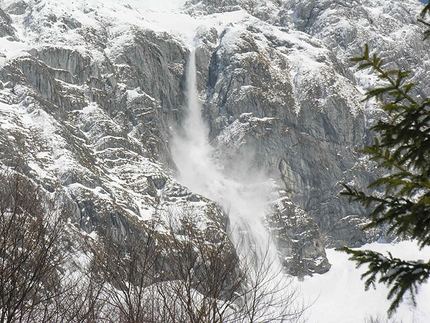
point(339, 295)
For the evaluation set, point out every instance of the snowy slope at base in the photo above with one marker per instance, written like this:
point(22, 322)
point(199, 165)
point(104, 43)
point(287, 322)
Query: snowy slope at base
point(339, 295)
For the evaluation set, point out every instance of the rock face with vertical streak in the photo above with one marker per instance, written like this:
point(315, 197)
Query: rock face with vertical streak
point(89, 102)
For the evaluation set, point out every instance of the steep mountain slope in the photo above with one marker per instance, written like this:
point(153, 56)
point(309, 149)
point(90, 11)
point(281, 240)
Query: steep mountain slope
point(304, 83)
point(92, 92)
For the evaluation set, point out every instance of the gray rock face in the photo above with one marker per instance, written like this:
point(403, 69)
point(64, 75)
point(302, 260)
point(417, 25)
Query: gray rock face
point(6, 29)
point(298, 238)
point(300, 124)
point(89, 111)
point(303, 100)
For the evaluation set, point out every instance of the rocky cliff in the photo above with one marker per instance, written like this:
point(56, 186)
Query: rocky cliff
point(91, 91)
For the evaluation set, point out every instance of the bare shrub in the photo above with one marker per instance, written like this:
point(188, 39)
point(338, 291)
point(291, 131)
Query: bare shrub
point(189, 272)
point(30, 255)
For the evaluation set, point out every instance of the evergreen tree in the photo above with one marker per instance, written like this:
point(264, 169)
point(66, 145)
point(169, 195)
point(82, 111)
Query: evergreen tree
point(400, 200)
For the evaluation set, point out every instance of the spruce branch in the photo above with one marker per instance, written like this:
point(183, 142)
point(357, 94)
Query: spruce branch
point(403, 276)
point(402, 205)
point(395, 78)
point(424, 12)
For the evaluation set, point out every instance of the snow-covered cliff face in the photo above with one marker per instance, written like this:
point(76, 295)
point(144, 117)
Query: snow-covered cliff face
point(91, 91)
